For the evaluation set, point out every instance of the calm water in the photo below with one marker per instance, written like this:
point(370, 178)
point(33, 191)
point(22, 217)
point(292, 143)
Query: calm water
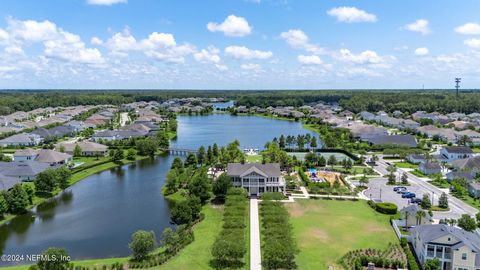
point(96, 217)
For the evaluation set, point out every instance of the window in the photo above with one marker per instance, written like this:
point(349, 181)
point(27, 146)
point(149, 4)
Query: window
point(464, 256)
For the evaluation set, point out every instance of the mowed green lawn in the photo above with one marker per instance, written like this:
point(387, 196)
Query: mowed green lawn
point(197, 255)
point(325, 230)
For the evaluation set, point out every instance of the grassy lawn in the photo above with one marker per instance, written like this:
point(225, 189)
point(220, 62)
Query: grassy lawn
point(418, 173)
point(254, 158)
point(197, 255)
point(326, 230)
point(406, 165)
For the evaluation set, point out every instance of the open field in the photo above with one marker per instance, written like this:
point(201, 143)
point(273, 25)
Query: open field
point(254, 158)
point(325, 230)
point(406, 165)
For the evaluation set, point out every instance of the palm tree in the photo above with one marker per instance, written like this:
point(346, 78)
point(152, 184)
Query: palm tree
point(420, 214)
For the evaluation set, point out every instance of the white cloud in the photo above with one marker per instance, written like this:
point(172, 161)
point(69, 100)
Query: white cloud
point(250, 66)
point(13, 50)
point(420, 26)
point(232, 26)
point(105, 2)
point(421, 51)
point(351, 15)
point(208, 55)
point(309, 59)
point(468, 29)
point(160, 46)
point(241, 52)
point(299, 40)
point(58, 43)
point(3, 35)
point(96, 41)
point(365, 57)
point(472, 43)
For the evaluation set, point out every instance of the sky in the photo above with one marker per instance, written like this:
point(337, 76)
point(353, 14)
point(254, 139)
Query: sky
point(239, 44)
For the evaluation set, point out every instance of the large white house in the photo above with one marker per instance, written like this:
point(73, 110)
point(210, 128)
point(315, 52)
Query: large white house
point(256, 178)
point(455, 248)
point(456, 152)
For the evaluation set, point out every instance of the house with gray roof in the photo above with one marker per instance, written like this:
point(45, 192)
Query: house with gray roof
point(471, 164)
point(7, 182)
point(256, 178)
point(49, 156)
point(86, 148)
point(411, 217)
point(474, 189)
point(400, 140)
point(430, 168)
point(455, 248)
point(467, 175)
point(23, 139)
point(456, 152)
point(25, 171)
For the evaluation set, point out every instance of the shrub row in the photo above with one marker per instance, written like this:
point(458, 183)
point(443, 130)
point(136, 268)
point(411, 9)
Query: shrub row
point(384, 207)
point(412, 262)
point(391, 258)
point(230, 247)
point(278, 247)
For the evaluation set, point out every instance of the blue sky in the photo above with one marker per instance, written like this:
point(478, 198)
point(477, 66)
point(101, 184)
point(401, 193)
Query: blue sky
point(239, 44)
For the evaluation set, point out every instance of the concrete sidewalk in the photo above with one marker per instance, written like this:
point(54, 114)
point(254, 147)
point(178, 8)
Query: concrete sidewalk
point(255, 253)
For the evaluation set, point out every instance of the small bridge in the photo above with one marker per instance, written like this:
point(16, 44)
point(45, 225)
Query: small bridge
point(181, 151)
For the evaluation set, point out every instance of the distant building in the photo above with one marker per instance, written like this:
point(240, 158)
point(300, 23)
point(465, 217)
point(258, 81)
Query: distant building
point(43, 155)
point(456, 152)
point(256, 178)
point(455, 248)
point(430, 168)
point(400, 140)
point(410, 215)
point(24, 171)
point(21, 140)
point(87, 148)
point(415, 158)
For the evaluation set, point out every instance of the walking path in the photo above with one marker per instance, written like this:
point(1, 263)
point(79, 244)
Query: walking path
point(255, 253)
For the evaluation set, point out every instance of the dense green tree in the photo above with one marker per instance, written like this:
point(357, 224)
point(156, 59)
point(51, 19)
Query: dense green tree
point(221, 185)
point(54, 259)
point(281, 142)
point(200, 185)
point(63, 175)
point(467, 223)
point(3, 204)
point(313, 142)
point(426, 203)
point(170, 240)
point(191, 160)
point(46, 181)
point(142, 244)
point(177, 163)
point(17, 199)
point(181, 213)
point(404, 178)
point(77, 151)
point(432, 264)
point(118, 155)
point(443, 201)
point(146, 147)
point(163, 140)
point(131, 154)
point(201, 155)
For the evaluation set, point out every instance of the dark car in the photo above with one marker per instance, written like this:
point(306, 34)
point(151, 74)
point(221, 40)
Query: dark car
point(399, 189)
point(415, 200)
point(409, 195)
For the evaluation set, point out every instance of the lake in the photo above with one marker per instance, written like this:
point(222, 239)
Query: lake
point(96, 217)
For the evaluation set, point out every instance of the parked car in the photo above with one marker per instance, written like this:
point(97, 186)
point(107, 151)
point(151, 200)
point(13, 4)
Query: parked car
point(398, 189)
point(415, 200)
point(408, 195)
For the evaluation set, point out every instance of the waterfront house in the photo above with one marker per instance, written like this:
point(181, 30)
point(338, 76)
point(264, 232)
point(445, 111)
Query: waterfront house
point(455, 248)
point(7, 182)
point(24, 171)
point(43, 155)
point(256, 178)
point(23, 139)
point(456, 152)
point(430, 168)
point(87, 148)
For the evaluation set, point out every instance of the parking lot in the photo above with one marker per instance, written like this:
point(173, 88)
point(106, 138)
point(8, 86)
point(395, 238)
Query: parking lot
point(379, 190)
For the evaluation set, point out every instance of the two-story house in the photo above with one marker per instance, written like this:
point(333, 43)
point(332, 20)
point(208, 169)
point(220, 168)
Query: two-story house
point(456, 152)
point(256, 178)
point(455, 248)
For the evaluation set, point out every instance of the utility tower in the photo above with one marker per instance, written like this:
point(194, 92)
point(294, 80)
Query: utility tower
point(457, 84)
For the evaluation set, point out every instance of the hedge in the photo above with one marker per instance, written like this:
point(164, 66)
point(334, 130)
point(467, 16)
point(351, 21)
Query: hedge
point(386, 208)
point(411, 261)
